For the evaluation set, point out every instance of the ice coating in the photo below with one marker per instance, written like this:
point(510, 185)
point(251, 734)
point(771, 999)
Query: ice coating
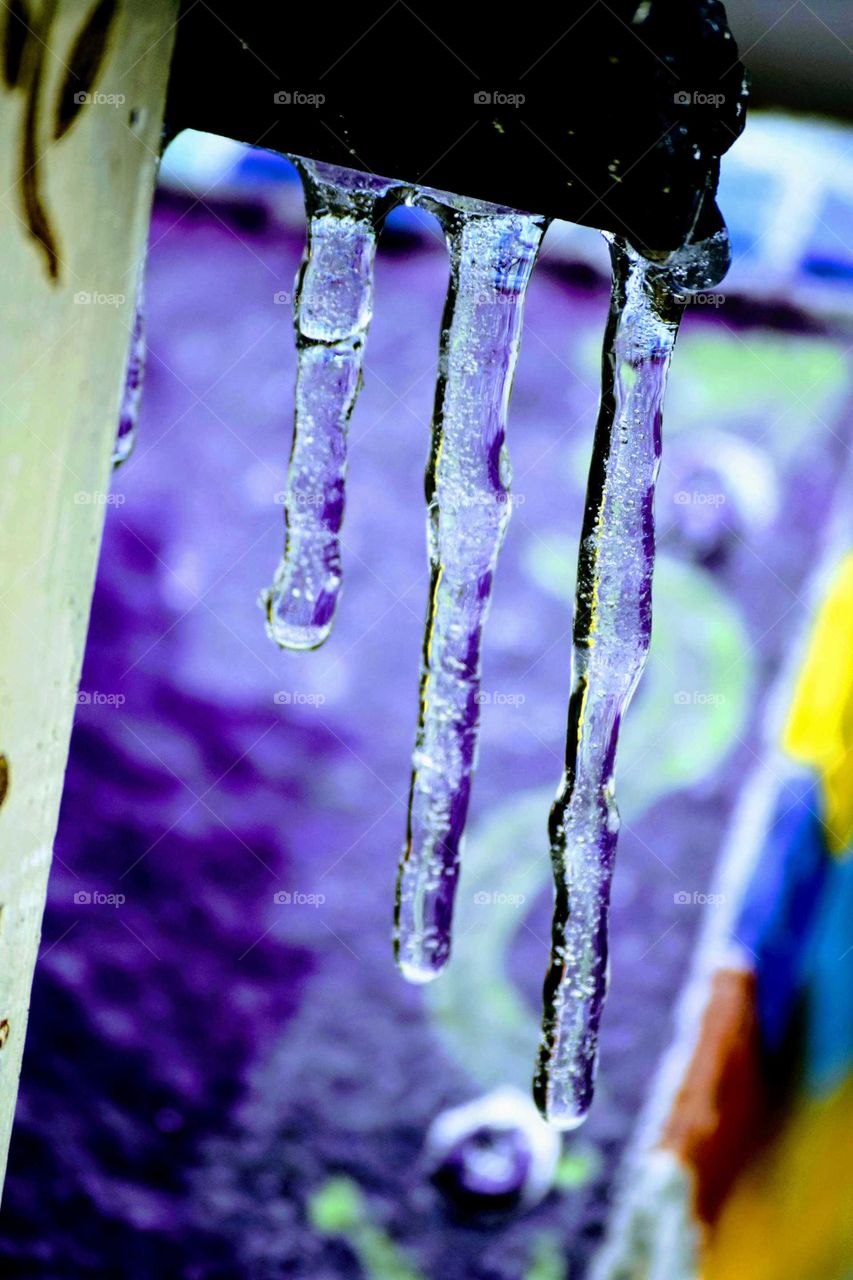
point(492, 254)
point(467, 494)
point(332, 306)
point(612, 629)
point(133, 378)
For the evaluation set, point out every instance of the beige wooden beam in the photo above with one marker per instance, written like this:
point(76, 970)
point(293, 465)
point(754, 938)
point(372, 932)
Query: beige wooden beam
point(81, 104)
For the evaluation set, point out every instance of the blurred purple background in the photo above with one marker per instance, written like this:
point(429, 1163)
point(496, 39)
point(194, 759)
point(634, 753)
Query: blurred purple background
point(203, 1059)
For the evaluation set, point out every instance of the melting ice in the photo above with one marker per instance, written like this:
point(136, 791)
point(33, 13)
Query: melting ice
point(333, 305)
point(492, 254)
point(467, 496)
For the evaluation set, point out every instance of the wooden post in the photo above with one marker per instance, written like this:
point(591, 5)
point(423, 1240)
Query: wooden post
point(81, 103)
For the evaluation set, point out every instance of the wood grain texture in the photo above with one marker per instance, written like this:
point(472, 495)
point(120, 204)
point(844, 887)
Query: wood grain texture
point(64, 353)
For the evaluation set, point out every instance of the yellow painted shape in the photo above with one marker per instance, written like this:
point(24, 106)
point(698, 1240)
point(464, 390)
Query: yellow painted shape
point(819, 730)
point(789, 1215)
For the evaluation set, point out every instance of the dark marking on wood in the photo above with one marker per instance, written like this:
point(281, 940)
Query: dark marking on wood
point(84, 63)
point(17, 32)
point(4, 782)
point(34, 210)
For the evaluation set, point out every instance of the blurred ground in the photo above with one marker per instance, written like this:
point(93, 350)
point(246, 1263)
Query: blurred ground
point(203, 1060)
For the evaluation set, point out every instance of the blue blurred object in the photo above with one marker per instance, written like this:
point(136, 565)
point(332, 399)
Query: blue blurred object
point(777, 920)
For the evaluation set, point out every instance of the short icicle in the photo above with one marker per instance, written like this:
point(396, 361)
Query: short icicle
point(612, 629)
point(467, 493)
point(332, 311)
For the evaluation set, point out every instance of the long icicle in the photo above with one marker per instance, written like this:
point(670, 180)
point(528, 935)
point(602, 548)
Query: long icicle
point(333, 306)
point(612, 629)
point(467, 493)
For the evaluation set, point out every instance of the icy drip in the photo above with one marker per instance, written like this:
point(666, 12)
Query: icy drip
point(612, 628)
point(467, 487)
point(332, 311)
point(133, 378)
point(467, 493)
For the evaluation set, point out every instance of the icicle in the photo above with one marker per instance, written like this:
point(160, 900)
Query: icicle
point(133, 378)
point(332, 311)
point(492, 254)
point(612, 628)
point(467, 493)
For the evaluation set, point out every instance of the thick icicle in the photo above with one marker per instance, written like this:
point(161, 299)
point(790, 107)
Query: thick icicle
point(133, 378)
point(332, 311)
point(612, 628)
point(467, 493)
